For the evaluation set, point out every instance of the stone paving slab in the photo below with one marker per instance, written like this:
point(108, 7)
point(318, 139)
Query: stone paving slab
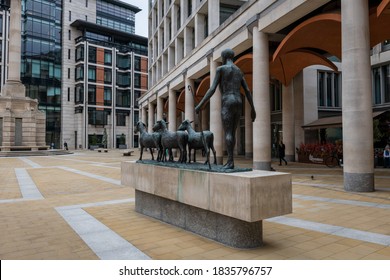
point(85, 214)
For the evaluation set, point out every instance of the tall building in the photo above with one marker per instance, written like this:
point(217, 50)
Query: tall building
point(306, 62)
point(4, 20)
point(84, 64)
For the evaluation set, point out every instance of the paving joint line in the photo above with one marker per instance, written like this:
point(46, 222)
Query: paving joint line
point(98, 177)
point(361, 235)
point(30, 162)
point(102, 240)
point(341, 201)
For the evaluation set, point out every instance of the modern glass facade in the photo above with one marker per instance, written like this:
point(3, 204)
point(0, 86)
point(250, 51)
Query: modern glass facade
point(112, 14)
point(41, 60)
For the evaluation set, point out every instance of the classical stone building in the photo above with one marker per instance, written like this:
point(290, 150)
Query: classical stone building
point(83, 63)
point(303, 60)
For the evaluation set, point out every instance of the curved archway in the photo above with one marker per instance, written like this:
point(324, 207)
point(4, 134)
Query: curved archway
point(305, 36)
point(202, 88)
point(245, 63)
point(285, 67)
point(180, 103)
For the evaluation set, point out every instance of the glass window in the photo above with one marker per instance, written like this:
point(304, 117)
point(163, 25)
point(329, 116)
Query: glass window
point(92, 54)
point(386, 80)
point(79, 94)
point(121, 119)
point(107, 76)
point(80, 52)
point(276, 96)
point(377, 86)
point(107, 96)
point(79, 75)
point(123, 79)
point(97, 117)
point(92, 73)
point(107, 57)
point(123, 61)
point(91, 94)
point(321, 91)
point(328, 90)
point(123, 98)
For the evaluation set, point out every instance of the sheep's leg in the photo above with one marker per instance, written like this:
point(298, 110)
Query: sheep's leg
point(151, 152)
point(214, 153)
point(170, 153)
point(189, 155)
point(142, 150)
point(206, 150)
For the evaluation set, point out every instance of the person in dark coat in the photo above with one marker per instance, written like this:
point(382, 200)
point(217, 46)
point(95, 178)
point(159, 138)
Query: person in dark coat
point(282, 152)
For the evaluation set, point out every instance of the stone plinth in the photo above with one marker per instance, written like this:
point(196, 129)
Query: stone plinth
point(33, 122)
point(226, 207)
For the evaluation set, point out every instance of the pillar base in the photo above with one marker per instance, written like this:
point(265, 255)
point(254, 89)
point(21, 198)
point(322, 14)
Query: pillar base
point(262, 165)
point(359, 182)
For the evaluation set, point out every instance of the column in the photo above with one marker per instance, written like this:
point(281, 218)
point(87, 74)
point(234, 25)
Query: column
point(183, 11)
point(288, 121)
point(172, 110)
point(213, 20)
point(13, 85)
point(174, 19)
point(160, 108)
point(248, 131)
point(179, 49)
point(199, 28)
point(189, 100)
point(358, 145)
point(261, 100)
point(144, 115)
point(215, 116)
point(151, 117)
point(188, 40)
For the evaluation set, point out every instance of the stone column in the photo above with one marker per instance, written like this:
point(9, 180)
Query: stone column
point(213, 20)
point(261, 100)
point(248, 131)
point(151, 117)
point(172, 110)
point(199, 28)
point(189, 100)
point(144, 115)
point(358, 146)
point(188, 37)
point(13, 86)
point(288, 121)
point(160, 108)
point(298, 111)
point(215, 115)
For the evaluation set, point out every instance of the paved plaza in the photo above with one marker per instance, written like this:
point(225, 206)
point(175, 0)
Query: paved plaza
point(74, 207)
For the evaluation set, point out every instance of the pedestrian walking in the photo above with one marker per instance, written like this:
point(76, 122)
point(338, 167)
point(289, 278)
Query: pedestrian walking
point(282, 152)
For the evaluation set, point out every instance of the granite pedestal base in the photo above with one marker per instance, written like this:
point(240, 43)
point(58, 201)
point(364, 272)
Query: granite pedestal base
point(221, 228)
point(226, 207)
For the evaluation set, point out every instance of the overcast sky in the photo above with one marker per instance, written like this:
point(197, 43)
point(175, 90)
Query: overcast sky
point(141, 18)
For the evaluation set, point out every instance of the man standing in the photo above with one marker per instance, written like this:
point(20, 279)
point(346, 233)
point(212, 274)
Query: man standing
point(229, 78)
